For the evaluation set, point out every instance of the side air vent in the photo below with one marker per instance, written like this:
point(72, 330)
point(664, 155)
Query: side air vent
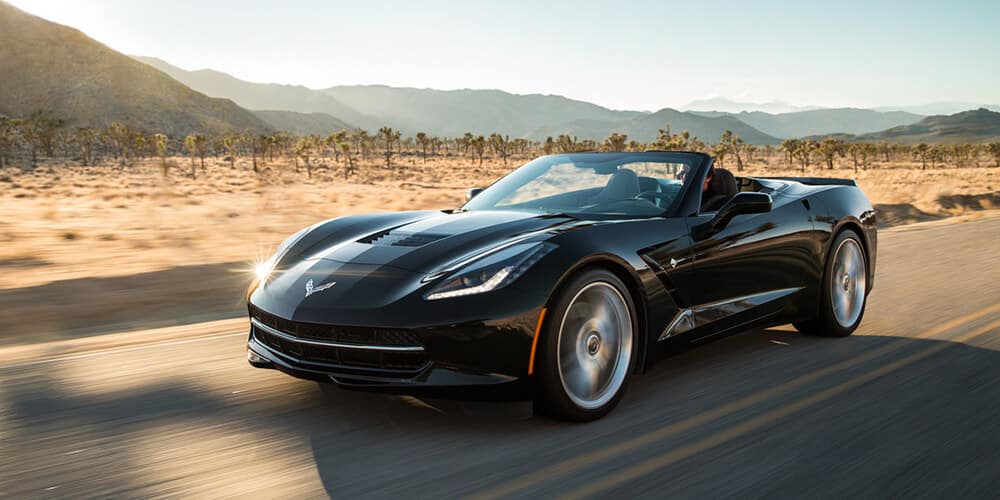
point(393, 238)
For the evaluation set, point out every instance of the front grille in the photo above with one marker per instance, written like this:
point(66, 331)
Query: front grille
point(346, 357)
point(343, 334)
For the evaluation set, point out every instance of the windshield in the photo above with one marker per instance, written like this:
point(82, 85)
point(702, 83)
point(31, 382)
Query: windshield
point(628, 184)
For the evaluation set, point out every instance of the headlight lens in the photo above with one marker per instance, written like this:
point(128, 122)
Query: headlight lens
point(496, 270)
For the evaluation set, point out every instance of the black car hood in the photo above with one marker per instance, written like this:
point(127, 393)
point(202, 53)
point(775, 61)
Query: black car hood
point(426, 244)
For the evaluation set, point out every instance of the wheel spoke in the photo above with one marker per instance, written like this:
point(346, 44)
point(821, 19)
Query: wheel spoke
point(848, 282)
point(595, 345)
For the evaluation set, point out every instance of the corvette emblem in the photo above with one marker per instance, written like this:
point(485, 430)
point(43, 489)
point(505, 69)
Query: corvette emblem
point(310, 289)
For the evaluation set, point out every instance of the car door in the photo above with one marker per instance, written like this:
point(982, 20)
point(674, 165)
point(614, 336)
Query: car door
point(756, 267)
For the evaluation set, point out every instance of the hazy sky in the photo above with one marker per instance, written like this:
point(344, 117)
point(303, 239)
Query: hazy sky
point(625, 55)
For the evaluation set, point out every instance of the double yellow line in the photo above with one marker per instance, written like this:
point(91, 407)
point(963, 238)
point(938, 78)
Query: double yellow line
point(645, 467)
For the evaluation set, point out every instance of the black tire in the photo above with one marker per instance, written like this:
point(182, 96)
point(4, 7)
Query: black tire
point(587, 291)
point(833, 321)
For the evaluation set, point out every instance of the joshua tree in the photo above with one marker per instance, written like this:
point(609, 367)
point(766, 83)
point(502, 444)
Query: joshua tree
point(119, 138)
point(790, 146)
point(388, 139)
point(231, 142)
point(10, 135)
point(86, 139)
point(550, 145)
point(259, 145)
point(40, 132)
point(614, 142)
point(478, 146)
point(303, 149)
point(196, 145)
point(804, 152)
point(566, 144)
point(829, 149)
point(994, 150)
point(500, 144)
point(345, 147)
point(735, 146)
point(719, 151)
point(923, 151)
point(160, 143)
point(424, 141)
point(335, 140)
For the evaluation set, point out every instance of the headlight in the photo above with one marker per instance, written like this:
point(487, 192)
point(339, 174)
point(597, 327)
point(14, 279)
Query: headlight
point(264, 269)
point(495, 270)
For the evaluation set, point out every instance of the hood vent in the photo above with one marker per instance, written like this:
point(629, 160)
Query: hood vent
point(394, 238)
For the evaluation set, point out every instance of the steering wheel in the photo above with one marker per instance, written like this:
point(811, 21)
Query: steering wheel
point(654, 196)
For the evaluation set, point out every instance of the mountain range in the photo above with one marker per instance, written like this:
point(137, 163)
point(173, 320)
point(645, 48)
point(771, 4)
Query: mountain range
point(977, 125)
point(51, 67)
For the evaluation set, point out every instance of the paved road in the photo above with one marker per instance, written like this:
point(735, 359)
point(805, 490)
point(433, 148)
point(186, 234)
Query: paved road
point(907, 407)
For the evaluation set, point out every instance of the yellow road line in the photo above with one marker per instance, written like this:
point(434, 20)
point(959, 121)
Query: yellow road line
point(647, 466)
point(587, 459)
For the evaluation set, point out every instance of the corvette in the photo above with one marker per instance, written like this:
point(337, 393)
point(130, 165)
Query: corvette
point(562, 280)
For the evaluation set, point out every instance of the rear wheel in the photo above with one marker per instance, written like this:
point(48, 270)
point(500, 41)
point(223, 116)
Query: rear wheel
point(588, 347)
point(844, 291)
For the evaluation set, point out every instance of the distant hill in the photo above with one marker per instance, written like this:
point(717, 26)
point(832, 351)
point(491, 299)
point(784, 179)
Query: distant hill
point(454, 112)
point(968, 126)
point(726, 105)
point(645, 127)
point(940, 108)
point(54, 68)
point(302, 123)
point(268, 96)
point(824, 121)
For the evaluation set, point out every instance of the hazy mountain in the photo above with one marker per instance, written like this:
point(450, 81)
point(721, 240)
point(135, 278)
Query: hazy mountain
point(940, 108)
point(726, 105)
point(54, 68)
point(645, 127)
point(968, 126)
point(269, 96)
point(824, 121)
point(302, 123)
point(454, 112)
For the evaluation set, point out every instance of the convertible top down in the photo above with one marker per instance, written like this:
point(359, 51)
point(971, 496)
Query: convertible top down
point(560, 281)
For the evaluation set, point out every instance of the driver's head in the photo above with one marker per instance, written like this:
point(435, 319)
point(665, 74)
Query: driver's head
point(708, 180)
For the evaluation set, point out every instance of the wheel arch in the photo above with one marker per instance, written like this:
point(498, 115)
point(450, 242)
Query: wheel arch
point(855, 225)
point(633, 283)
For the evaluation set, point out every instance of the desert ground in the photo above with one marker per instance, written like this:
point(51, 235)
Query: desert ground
point(107, 247)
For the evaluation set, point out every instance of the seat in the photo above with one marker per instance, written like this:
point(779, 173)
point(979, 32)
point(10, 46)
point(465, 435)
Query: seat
point(622, 185)
point(721, 188)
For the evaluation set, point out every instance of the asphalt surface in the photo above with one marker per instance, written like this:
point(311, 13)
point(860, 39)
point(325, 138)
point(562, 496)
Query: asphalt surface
point(907, 407)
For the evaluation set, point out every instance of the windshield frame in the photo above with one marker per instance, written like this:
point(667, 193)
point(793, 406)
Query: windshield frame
point(697, 164)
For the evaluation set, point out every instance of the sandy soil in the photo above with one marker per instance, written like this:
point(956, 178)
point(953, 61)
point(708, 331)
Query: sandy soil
point(85, 247)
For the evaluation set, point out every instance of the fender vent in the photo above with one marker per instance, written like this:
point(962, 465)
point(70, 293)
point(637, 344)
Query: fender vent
point(393, 238)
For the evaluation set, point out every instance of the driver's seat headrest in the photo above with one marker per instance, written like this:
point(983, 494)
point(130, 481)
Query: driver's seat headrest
point(623, 184)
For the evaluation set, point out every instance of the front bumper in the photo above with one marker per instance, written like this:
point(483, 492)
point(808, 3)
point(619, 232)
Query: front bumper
point(487, 359)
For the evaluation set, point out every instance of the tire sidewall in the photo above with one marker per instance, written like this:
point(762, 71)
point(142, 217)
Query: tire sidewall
point(550, 394)
point(832, 327)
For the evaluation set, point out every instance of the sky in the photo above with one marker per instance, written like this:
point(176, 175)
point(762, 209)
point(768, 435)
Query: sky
point(641, 55)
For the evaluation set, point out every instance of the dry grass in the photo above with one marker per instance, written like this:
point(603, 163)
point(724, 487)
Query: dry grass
point(64, 222)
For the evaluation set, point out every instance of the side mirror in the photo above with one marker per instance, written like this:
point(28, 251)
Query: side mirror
point(471, 193)
point(742, 203)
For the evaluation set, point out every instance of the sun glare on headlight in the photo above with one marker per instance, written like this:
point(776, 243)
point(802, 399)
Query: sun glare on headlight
point(262, 271)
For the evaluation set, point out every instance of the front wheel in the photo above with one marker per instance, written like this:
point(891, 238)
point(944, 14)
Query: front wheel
point(588, 347)
point(844, 291)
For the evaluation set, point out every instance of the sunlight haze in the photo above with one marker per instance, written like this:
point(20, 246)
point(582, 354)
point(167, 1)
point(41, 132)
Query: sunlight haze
point(635, 55)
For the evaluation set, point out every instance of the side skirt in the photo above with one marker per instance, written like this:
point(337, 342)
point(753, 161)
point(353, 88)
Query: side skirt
point(694, 317)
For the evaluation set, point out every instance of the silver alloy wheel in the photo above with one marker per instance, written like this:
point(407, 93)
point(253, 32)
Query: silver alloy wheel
point(595, 345)
point(848, 282)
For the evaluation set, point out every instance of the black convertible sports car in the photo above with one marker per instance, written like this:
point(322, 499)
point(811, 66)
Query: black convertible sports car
point(561, 280)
